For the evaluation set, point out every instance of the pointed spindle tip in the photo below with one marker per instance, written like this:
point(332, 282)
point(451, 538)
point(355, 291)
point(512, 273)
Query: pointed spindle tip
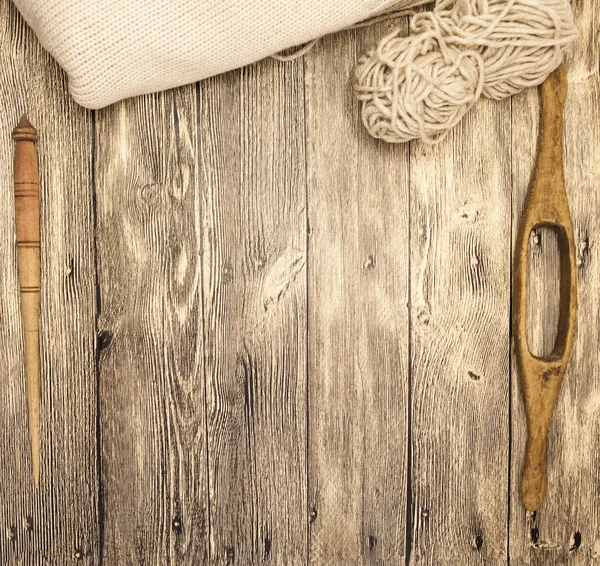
point(24, 130)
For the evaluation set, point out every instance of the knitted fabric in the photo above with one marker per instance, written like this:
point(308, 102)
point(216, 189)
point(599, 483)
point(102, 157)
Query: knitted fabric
point(114, 49)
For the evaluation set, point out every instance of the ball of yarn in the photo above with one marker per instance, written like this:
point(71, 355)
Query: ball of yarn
point(422, 85)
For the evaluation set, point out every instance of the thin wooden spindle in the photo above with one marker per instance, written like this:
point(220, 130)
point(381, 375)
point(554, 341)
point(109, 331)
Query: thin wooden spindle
point(27, 220)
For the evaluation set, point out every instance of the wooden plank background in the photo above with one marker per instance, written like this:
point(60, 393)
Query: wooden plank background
point(268, 338)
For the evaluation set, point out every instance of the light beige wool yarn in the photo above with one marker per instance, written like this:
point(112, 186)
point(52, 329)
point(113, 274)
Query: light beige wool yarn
point(420, 86)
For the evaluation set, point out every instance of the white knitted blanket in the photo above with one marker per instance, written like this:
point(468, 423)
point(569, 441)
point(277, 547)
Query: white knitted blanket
point(114, 49)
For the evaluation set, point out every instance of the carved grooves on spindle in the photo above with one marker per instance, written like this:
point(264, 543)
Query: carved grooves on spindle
point(27, 223)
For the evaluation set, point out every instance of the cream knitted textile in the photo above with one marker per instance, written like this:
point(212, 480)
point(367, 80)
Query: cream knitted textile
point(114, 49)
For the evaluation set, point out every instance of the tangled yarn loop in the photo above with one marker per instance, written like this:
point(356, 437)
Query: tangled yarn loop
point(422, 85)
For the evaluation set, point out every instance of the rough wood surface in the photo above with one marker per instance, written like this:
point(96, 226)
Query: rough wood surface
point(297, 351)
point(59, 521)
point(254, 278)
point(566, 528)
point(152, 420)
point(358, 320)
point(460, 343)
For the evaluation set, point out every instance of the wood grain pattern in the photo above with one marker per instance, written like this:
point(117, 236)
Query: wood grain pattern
point(60, 520)
point(259, 392)
point(149, 240)
point(358, 319)
point(254, 195)
point(460, 305)
point(543, 285)
point(565, 530)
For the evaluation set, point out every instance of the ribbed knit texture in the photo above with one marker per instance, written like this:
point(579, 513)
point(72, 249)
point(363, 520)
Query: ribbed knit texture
point(114, 49)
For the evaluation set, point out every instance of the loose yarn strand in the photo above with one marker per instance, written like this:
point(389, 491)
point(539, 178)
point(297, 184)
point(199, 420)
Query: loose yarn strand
point(421, 86)
point(300, 52)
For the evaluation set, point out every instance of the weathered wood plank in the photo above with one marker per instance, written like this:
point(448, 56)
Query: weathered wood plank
point(566, 529)
point(59, 521)
point(460, 297)
point(358, 319)
point(543, 283)
point(222, 211)
point(149, 239)
point(254, 194)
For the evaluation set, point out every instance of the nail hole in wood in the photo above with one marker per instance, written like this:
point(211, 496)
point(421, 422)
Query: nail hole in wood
point(424, 316)
point(478, 542)
point(229, 555)
point(372, 542)
point(267, 546)
point(78, 554)
point(575, 542)
point(227, 272)
point(104, 339)
point(534, 535)
point(313, 515)
point(369, 263)
point(28, 524)
point(176, 524)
